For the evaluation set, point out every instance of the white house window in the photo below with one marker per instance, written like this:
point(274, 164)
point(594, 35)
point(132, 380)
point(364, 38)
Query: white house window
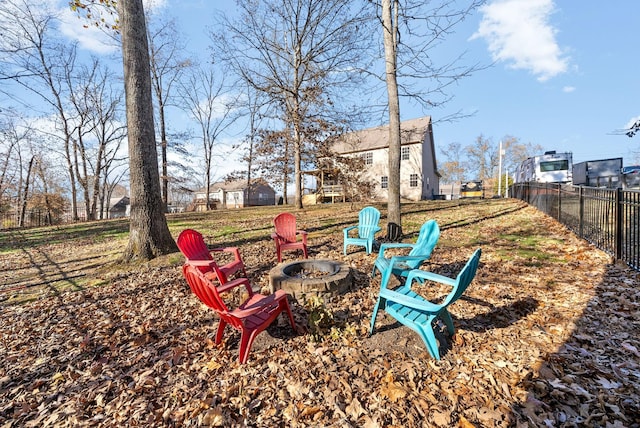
point(404, 155)
point(384, 182)
point(367, 158)
point(262, 196)
point(413, 180)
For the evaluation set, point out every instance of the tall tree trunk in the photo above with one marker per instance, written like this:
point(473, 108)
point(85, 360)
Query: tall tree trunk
point(72, 179)
point(390, 22)
point(96, 184)
point(45, 189)
point(163, 153)
point(297, 161)
point(25, 196)
point(149, 234)
point(253, 111)
point(82, 173)
point(285, 173)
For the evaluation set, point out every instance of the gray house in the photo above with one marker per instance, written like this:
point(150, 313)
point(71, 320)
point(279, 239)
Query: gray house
point(419, 177)
point(235, 194)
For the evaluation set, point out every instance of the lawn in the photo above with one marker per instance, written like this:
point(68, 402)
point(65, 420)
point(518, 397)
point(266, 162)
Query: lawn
point(546, 333)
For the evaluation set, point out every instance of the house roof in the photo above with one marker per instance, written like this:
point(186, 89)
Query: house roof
point(120, 201)
point(412, 132)
point(233, 185)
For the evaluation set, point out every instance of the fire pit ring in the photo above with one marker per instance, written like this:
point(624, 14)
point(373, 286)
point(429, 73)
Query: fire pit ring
point(319, 277)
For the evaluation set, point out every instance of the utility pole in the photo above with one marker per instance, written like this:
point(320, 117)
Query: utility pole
point(500, 153)
point(506, 184)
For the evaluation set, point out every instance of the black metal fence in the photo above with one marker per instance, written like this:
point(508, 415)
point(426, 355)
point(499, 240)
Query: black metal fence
point(36, 218)
point(608, 218)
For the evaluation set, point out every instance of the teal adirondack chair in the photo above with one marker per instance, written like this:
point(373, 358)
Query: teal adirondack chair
point(400, 265)
point(419, 314)
point(367, 228)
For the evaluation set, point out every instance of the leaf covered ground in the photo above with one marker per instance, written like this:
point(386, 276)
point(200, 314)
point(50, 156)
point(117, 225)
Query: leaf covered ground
point(547, 334)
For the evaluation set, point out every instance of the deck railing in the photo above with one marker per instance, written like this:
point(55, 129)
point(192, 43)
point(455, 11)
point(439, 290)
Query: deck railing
point(335, 189)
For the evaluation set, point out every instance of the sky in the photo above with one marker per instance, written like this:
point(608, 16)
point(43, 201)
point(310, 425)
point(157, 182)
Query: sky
point(562, 74)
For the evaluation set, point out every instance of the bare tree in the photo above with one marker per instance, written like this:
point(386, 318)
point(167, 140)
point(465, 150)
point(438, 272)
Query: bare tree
point(113, 173)
point(258, 154)
point(149, 234)
point(453, 169)
point(107, 125)
point(515, 152)
point(47, 194)
point(410, 30)
point(253, 103)
point(273, 157)
point(303, 55)
point(205, 96)
point(483, 158)
point(167, 66)
point(78, 89)
point(24, 196)
point(390, 33)
point(12, 136)
point(38, 62)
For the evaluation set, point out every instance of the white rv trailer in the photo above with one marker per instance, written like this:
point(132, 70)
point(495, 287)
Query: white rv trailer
point(551, 167)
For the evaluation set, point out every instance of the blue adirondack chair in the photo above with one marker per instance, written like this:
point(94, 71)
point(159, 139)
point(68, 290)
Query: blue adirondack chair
point(367, 227)
point(400, 265)
point(419, 314)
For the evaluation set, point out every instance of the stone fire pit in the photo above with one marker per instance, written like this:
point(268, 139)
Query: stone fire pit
point(311, 276)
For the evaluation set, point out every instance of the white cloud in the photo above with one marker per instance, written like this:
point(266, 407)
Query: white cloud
point(91, 37)
point(568, 89)
point(519, 34)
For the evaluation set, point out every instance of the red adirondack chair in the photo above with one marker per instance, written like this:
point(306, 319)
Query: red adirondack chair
point(195, 250)
point(286, 235)
point(254, 315)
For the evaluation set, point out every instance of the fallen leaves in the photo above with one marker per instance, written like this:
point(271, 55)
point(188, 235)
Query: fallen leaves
point(550, 343)
point(392, 390)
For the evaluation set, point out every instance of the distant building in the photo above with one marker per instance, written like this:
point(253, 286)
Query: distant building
point(450, 190)
point(235, 194)
point(419, 177)
point(119, 207)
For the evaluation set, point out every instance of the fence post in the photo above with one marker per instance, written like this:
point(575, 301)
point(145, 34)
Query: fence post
point(581, 212)
point(618, 215)
point(559, 202)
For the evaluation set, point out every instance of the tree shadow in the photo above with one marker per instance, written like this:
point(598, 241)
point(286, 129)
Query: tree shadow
point(593, 379)
point(498, 317)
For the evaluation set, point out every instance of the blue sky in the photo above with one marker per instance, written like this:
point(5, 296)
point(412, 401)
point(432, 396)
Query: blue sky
point(564, 73)
point(565, 77)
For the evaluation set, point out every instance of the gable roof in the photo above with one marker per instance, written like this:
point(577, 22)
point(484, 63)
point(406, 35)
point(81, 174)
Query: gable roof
point(233, 185)
point(411, 132)
point(118, 202)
